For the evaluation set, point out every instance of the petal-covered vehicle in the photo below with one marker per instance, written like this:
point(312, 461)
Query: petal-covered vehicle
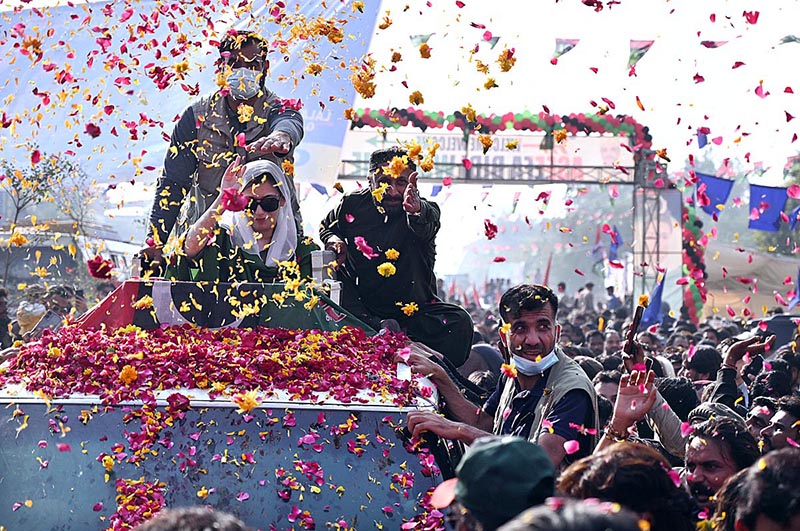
point(276, 406)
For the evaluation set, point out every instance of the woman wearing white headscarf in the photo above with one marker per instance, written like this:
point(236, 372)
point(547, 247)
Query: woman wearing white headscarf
point(247, 232)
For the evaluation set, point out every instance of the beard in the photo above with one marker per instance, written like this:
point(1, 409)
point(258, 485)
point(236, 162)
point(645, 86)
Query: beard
point(701, 491)
point(391, 208)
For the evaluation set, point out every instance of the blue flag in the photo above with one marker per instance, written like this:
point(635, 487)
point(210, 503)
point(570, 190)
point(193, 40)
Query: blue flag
point(717, 190)
point(319, 188)
point(616, 241)
point(652, 314)
point(766, 205)
point(702, 139)
point(794, 218)
point(796, 299)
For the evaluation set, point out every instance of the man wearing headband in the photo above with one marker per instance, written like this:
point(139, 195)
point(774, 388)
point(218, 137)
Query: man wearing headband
point(384, 238)
point(247, 231)
point(543, 396)
point(244, 118)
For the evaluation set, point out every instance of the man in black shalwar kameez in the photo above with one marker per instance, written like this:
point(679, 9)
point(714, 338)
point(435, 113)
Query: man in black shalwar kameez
point(384, 240)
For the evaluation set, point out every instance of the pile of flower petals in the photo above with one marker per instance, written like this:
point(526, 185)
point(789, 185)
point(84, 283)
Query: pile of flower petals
point(131, 364)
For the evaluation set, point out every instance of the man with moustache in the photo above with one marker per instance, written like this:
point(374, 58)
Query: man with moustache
point(612, 342)
point(384, 238)
point(783, 429)
point(717, 449)
point(762, 410)
point(544, 396)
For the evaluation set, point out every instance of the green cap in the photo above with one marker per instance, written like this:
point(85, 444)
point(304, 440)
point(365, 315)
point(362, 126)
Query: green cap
point(498, 478)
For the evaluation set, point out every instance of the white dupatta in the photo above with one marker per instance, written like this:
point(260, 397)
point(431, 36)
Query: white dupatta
point(284, 237)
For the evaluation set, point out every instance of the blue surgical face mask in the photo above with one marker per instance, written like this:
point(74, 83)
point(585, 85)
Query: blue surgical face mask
point(244, 83)
point(531, 368)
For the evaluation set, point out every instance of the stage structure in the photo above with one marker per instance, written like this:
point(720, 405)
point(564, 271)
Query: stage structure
point(524, 151)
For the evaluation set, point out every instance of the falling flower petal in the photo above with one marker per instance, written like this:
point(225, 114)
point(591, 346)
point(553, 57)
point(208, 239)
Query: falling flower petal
point(571, 447)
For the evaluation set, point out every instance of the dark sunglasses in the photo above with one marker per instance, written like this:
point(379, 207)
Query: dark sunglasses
point(269, 203)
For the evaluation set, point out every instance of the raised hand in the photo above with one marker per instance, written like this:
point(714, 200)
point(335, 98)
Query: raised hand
point(232, 176)
point(635, 398)
point(340, 249)
point(411, 202)
point(752, 346)
point(633, 357)
point(152, 257)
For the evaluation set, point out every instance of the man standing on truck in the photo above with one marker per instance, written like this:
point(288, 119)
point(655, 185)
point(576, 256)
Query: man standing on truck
point(243, 118)
point(543, 396)
point(384, 238)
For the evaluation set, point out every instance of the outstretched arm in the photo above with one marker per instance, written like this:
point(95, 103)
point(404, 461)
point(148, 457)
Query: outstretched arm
point(456, 406)
point(423, 216)
point(331, 235)
point(180, 164)
point(726, 387)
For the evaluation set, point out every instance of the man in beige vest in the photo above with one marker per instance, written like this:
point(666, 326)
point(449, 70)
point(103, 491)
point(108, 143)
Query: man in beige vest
point(543, 395)
point(243, 118)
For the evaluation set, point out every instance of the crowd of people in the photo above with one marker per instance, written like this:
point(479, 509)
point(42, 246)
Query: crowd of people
point(37, 307)
point(689, 419)
point(664, 429)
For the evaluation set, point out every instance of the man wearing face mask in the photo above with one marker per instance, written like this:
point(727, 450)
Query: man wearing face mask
point(543, 396)
point(243, 118)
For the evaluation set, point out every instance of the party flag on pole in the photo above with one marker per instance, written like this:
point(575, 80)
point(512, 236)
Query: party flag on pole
point(319, 188)
point(637, 51)
point(796, 299)
point(794, 218)
point(712, 191)
point(766, 205)
point(652, 314)
point(616, 242)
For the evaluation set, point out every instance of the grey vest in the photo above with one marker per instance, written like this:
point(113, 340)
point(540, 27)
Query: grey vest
point(564, 376)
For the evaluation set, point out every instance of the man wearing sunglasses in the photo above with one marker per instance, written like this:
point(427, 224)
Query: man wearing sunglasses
point(244, 118)
point(247, 233)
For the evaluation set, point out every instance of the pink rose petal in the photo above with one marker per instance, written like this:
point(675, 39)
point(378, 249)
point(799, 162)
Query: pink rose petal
point(571, 446)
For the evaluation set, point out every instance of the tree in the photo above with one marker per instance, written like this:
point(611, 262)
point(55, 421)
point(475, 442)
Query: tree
point(27, 188)
point(784, 241)
point(74, 193)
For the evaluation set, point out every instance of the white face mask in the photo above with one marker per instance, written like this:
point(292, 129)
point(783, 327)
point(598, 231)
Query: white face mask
point(244, 83)
point(530, 368)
